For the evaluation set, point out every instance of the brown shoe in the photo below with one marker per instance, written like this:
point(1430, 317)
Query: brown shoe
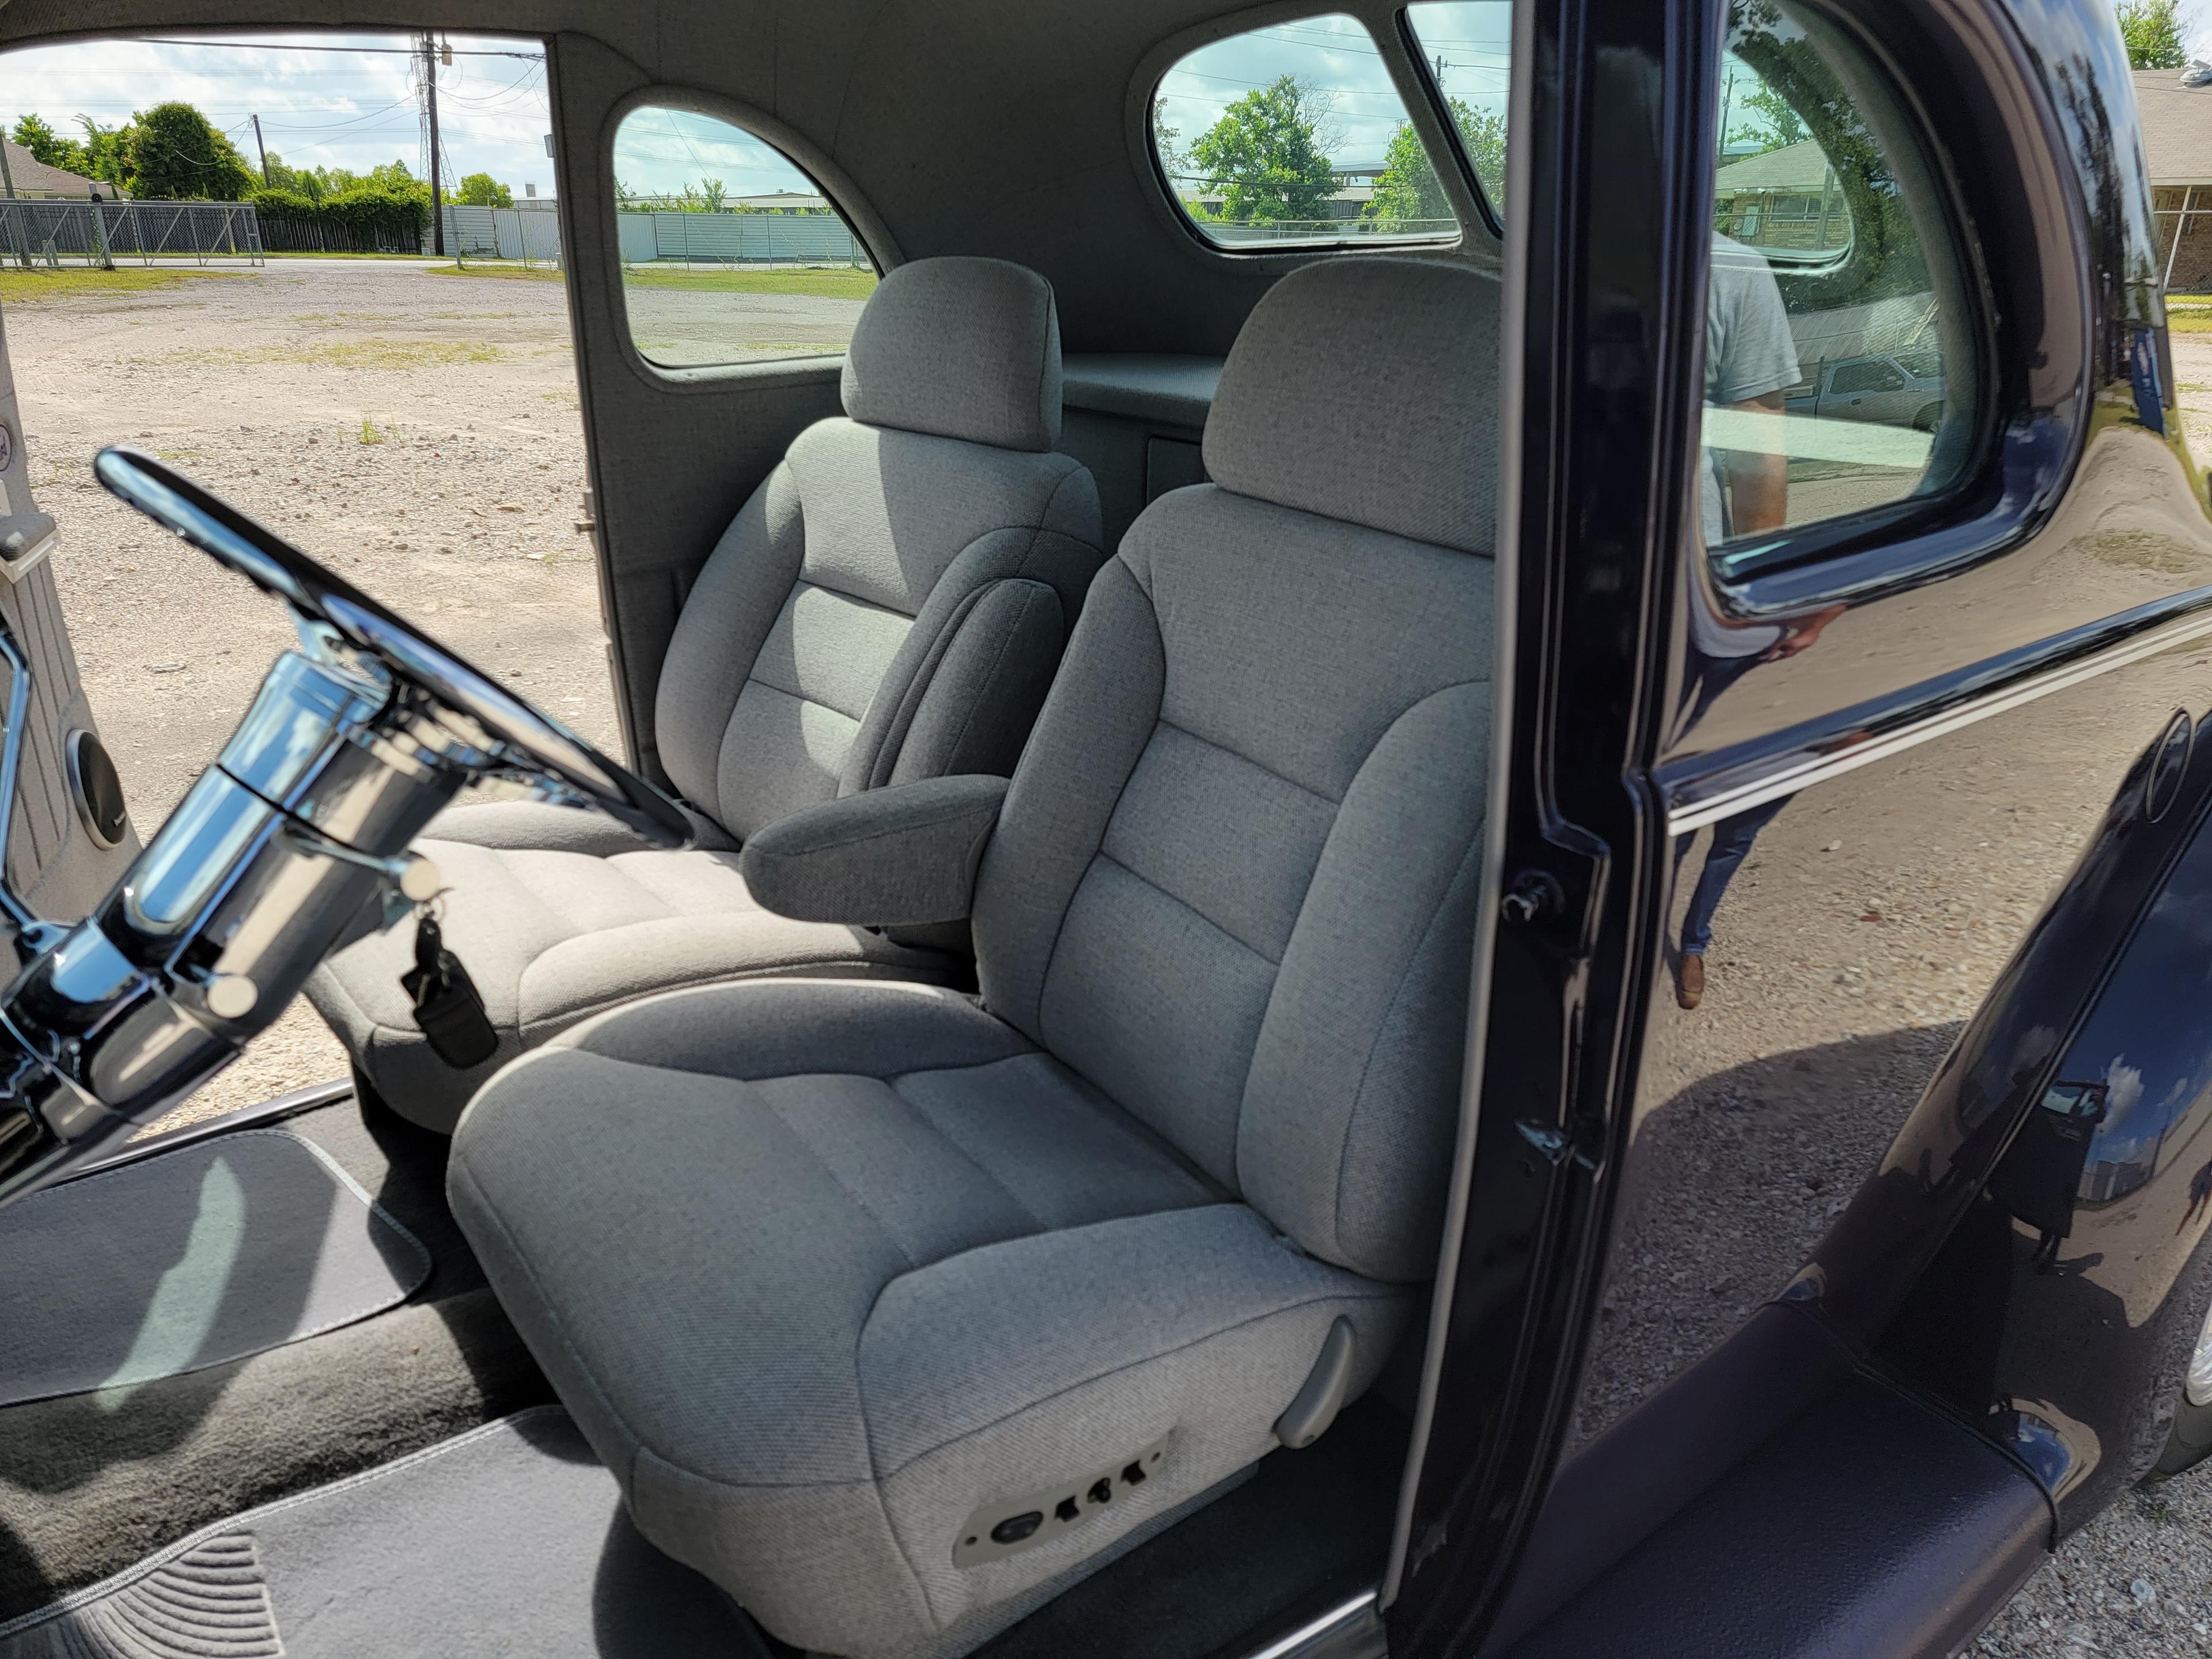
point(1690, 982)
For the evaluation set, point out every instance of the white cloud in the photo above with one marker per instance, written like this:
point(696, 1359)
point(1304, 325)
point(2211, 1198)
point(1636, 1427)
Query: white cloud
point(318, 108)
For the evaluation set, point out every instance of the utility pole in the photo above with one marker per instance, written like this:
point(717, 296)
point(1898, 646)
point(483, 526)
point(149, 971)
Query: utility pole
point(15, 214)
point(430, 104)
point(264, 148)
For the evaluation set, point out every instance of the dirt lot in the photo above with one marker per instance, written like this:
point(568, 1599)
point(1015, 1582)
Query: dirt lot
point(420, 432)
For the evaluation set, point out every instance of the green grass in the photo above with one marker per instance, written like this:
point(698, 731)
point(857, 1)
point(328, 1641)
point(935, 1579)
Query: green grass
point(842, 284)
point(512, 273)
point(18, 286)
point(344, 354)
point(839, 282)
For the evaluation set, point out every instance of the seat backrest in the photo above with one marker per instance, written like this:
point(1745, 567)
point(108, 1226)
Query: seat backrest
point(1233, 882)
point(892, 602)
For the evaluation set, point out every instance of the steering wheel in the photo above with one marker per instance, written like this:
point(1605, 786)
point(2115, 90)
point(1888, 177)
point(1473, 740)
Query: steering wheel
point(528, 740)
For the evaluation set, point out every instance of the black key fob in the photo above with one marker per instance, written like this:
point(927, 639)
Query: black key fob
point(448, 1005)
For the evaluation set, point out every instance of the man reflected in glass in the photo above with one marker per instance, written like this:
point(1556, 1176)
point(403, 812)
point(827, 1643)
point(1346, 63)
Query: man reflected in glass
point(1750, 360)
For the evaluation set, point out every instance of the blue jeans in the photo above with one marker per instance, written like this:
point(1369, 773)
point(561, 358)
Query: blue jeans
point(1732, 840)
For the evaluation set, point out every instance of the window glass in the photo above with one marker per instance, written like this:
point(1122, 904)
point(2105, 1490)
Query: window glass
point(1468, 46)
point(1828, 387)
point(729, 252)
point(1294, 133)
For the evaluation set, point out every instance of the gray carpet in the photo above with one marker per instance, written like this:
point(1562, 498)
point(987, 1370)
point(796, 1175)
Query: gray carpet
point(90, 1483)
point(510, 1539)
point(192, 1259)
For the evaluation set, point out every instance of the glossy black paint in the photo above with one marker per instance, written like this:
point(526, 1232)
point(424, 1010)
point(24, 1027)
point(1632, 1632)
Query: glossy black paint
point(1609, 270)
point(2002, 678)
point(2061, 1306)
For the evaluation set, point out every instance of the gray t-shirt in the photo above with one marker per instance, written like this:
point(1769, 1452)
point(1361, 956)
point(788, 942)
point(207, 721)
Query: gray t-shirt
point(1748, 354)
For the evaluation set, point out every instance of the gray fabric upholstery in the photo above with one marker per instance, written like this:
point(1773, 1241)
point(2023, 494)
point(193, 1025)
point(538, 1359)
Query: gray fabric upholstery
point(962, 348)
point(889, 606)
point(1233, 881)
point(891, 857)
point(552, 938)
point(1312, 410)
point(869, 1256)
point(979, 1276)
point(825, 623)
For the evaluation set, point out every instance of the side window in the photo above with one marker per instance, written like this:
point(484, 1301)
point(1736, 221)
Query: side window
point(1294, 133)
point(729, 252)
point(1837, 373)
point(1467, 46)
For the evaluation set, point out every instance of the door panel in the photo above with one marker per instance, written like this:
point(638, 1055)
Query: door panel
point(673, 453)
point(55, 859)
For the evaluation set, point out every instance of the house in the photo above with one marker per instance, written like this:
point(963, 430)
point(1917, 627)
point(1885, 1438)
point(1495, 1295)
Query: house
point(1786, 197)
point(2177, 133)
point(34, 180)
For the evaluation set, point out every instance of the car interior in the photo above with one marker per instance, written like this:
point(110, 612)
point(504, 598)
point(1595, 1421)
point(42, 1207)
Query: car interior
point(983, 1194)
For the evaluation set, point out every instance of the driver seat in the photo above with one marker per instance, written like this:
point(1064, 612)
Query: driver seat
point(890, 604)
point(842, 1277)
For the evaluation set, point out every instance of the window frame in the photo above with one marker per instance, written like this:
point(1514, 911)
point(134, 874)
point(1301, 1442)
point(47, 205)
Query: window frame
point(1406, 78)
point(1854, 556)
point(1409, 42)
point(835, 186)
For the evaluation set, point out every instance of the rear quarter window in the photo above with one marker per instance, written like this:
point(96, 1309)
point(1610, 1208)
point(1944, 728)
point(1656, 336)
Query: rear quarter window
point(1295, 134)
point(730, 253)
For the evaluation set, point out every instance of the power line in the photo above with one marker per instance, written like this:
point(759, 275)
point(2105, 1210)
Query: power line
point(287, 46)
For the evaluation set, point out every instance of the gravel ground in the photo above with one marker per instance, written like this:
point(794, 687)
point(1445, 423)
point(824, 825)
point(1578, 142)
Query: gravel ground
point(420, 432)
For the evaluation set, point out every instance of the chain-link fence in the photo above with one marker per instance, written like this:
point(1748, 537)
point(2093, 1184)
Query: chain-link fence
point(47, 233)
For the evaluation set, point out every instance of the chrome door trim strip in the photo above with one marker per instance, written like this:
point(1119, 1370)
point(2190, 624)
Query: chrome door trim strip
point(1814, 769)
point(1313, 1640)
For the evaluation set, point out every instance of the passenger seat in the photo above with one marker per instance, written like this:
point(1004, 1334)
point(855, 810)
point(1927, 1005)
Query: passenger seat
point(888, 605)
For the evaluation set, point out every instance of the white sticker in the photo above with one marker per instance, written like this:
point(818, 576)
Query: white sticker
point(5, 509)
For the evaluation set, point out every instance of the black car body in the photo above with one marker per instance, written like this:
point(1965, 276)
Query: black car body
point(1809, 1319)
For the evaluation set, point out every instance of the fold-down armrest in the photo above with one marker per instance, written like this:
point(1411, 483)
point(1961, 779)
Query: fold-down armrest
point(894, 857)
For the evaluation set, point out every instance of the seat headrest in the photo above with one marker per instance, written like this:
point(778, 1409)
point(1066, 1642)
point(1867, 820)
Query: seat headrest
point(959, 348)
point(1366, 390)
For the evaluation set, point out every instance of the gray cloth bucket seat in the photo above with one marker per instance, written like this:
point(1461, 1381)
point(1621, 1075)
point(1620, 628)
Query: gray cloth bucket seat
point(890, 604)
point(839, 1276)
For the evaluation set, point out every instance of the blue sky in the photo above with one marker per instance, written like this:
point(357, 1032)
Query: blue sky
point(1337, 57)
point(349, 109)
point(659, 151)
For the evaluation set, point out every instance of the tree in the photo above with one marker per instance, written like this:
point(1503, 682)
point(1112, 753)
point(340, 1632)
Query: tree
point(108, 151)
point(481, 189)
point(1408, 188)
point(49, 146)
point(177, 155)
point(1265, 157)
point(2151, 29)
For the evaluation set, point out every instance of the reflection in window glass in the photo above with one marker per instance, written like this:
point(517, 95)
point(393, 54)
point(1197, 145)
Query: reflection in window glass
point(1294, 133)
point(1828, 390)
point(729, 252)
point(1468, 47)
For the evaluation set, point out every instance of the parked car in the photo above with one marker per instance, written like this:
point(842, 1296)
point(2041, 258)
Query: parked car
point(1559, 1044)
point(1905, 389)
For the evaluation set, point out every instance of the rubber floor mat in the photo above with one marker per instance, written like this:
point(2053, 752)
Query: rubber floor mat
point(509, 1540)
point(189, 1258)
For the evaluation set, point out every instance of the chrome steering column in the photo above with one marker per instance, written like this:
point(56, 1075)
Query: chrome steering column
point(273, 858)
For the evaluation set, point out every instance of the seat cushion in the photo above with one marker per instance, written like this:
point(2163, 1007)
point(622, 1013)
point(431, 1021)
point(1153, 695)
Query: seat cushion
point(880, 1261)
point(552, 936)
